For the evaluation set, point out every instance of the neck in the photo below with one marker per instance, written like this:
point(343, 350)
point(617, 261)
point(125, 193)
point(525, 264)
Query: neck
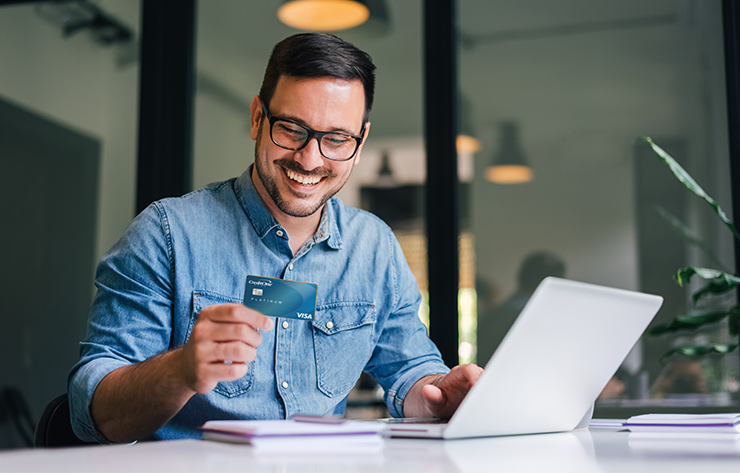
point(299, 229)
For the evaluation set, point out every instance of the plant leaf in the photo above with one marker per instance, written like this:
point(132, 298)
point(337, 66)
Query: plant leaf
point(697, 351)
point(719, 281)
point(689, 182)
point(692, 322)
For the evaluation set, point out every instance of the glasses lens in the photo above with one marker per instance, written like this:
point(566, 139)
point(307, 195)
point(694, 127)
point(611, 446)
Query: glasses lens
point(289, 135)
point(334, 146)
point(339, 147)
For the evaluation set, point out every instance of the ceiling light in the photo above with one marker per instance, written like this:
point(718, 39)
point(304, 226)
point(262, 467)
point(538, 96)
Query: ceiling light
point(323, 15)
point(466, 140)
point(467, 144)
point(509, 165)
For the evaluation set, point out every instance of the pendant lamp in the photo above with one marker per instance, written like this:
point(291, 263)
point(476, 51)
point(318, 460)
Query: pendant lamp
point(509, 165)
point(323, 15)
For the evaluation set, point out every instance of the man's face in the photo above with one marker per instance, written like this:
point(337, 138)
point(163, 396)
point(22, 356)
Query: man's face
point(300, 182)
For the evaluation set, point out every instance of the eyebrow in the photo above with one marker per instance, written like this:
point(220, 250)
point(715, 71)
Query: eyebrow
point(298, 121)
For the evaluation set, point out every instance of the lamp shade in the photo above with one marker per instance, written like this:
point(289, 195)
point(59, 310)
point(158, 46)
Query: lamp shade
point(323, 15)
point(509, 165)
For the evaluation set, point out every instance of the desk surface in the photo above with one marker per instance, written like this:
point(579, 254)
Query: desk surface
point(582, 451)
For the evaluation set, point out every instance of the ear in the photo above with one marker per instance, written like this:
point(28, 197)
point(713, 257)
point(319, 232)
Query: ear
point(256, 115)
point(364, 140)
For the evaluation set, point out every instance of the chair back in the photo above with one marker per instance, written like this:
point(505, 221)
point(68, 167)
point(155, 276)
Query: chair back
point(54, 428)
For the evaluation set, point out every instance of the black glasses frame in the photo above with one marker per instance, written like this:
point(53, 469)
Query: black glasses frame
point(312, 134)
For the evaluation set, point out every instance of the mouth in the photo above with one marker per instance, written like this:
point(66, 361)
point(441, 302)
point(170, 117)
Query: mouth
point(302, 179)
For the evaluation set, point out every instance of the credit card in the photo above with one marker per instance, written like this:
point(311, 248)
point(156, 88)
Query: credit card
point(281, 297)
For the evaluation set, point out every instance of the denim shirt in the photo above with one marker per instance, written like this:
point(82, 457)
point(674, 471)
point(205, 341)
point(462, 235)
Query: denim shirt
point(181, 255)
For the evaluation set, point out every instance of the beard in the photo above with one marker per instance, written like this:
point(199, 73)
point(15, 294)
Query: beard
point(292, 203)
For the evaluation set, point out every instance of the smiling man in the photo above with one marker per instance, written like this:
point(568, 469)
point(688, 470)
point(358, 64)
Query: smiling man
point(170, 345)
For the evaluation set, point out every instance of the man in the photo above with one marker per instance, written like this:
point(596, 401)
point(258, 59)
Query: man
point(494, 322)
point(169, 346)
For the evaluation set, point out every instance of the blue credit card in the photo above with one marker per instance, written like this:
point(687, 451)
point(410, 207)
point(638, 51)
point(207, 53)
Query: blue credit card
point(281, 297)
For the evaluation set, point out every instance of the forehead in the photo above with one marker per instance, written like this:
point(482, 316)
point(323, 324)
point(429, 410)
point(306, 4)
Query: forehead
point(321, 102)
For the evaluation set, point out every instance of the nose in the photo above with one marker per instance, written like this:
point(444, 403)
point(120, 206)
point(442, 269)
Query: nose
point(310, 156)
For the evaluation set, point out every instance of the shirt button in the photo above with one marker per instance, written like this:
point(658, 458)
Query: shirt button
point(290, 267)
point(329, 325)
point(279, 233)
point(285, 324)
point(285, 385)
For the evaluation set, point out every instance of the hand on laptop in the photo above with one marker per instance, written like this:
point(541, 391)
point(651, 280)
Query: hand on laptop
point(440, 396)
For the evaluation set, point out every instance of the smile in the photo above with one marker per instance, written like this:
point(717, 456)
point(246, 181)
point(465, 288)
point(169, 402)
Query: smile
point(305, 180)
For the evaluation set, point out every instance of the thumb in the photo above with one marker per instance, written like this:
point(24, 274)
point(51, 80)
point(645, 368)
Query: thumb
point(433, 395)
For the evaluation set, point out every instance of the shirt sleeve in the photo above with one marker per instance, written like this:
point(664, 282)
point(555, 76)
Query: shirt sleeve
point(404, 353)
point(130, 318)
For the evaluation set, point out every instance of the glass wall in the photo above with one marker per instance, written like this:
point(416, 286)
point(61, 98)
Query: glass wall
point(68, 125)
point(567, 86)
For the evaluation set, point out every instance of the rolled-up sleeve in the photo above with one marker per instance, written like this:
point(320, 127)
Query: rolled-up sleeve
point(130, 318)
point(404, 353)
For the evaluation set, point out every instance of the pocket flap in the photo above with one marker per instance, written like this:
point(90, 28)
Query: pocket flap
point(331, 318)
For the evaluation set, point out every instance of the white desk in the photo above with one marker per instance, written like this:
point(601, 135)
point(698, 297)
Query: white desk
point(583, 451)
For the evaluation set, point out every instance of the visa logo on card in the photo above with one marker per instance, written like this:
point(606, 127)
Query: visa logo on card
point(281, 297)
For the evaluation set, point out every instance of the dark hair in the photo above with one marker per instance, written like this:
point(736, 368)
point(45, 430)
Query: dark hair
point(319, 55)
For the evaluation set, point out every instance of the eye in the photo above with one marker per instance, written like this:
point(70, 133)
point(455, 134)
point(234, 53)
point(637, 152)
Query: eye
point(290, 130)
point(336, 141)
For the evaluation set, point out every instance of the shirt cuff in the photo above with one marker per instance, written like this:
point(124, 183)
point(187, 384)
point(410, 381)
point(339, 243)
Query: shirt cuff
point(396, 395)
point(82, 385)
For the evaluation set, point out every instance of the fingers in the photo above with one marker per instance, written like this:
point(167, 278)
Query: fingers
point(237, 313)
point(470, 373)
point(231, 322)
point(223, 332)
point(446, 394)
point(209, 374)
point(224, 339)
point(432, 394)
point(221, 352)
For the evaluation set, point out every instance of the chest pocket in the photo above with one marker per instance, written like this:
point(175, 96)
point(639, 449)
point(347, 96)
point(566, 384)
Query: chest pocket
point(343, 343)
point(201, 300)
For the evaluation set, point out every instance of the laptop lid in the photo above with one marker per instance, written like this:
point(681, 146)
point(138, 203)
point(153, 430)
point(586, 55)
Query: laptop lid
point(566, 344)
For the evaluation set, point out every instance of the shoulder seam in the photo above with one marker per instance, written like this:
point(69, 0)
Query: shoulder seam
point(165, 224)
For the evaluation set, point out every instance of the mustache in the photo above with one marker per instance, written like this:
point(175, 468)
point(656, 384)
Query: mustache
point(294, 166)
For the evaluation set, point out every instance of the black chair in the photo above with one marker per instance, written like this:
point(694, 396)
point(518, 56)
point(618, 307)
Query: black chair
point(54, 428)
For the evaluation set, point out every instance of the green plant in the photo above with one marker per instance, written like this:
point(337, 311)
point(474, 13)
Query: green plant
point(718, 282)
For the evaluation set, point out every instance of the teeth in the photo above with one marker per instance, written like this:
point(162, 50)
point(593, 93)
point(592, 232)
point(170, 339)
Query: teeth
point(305, 180)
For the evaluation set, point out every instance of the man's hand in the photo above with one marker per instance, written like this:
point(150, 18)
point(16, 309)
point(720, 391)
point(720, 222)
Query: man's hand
point(224, 339)
point(440, 395)
point(134, 401)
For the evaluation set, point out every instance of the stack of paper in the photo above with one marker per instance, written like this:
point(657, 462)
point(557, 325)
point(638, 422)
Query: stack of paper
point(687, 423)
point(685, 443)
point(298, 436)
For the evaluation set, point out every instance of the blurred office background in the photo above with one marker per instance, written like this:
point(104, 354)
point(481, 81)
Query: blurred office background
point(566, 84)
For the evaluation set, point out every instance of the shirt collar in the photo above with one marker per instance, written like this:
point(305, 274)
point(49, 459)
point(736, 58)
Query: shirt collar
point(263, 221)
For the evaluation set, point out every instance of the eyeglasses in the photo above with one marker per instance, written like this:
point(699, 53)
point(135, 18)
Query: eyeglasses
point(292, 136)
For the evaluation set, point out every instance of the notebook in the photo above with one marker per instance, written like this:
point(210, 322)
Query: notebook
point(559, 354)
point(685, 423)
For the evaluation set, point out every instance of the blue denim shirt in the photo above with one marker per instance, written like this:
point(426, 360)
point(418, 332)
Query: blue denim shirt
point(184, 254)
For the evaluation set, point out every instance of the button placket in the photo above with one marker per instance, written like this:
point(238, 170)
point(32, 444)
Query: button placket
point(282, 360)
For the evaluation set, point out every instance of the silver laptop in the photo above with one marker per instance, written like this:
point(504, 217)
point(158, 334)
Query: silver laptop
point(566, 344)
